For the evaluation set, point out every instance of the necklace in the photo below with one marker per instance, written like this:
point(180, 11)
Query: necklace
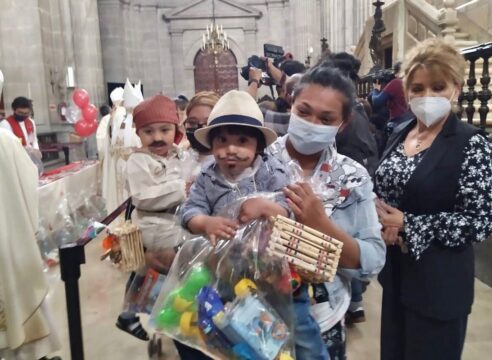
point(419, 143)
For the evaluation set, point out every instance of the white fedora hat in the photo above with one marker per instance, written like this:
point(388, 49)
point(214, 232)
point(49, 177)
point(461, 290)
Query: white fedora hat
point(235, 108)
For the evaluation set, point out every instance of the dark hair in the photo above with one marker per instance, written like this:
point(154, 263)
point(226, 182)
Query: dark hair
point(345, 62)
point(104, 110)
point(282, 105)
point(181, 102)
point(239, 130)
point(329, 77)
point(21, 102)
point(291, 67)
point(397, 67)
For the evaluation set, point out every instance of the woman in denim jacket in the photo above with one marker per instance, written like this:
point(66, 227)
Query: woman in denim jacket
point(341, 205)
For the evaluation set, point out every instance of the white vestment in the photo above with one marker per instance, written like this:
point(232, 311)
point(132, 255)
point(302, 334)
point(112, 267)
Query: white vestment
point(26, 331)
point(116, 153)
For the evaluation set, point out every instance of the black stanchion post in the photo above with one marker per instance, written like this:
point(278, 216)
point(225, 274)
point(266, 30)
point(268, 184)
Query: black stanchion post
point(71, 257)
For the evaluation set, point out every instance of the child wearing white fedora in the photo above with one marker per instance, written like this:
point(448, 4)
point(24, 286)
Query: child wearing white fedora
point(237, 139)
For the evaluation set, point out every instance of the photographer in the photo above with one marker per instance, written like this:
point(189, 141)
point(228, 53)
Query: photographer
point(393, 98)
point(278, 119)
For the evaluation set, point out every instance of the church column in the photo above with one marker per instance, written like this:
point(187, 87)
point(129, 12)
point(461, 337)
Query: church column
point(251, 47)
point(177, 58)
point(87, 48)
point(276, 17)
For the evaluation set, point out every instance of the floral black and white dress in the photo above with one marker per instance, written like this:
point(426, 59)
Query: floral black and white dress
point(471, 220)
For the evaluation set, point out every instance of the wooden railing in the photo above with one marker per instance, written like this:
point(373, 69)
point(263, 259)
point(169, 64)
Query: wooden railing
point(469, 94)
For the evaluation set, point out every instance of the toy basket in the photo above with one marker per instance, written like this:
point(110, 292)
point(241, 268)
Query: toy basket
point(129, 243)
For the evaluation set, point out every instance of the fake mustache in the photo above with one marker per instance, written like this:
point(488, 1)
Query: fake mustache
point(232, 157)
point(158, 143)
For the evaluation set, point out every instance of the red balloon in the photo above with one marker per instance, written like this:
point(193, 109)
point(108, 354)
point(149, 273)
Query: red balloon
point(85, 128)
point(89, 112)
point(80, 98)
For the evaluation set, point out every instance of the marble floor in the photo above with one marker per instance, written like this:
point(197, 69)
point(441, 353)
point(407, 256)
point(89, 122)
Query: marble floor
point(102, 286)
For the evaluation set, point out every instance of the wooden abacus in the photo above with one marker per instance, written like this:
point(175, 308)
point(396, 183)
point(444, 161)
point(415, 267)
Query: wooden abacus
point(314, 255)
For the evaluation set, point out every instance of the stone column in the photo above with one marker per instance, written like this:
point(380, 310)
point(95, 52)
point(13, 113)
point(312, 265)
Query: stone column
point(87, 48)
point(177, 59)
point(276, 22)
point(112, 40)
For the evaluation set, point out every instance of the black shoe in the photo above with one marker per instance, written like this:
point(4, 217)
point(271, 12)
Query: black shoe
point(355, 317)
point(133, 327)
point(53, 358)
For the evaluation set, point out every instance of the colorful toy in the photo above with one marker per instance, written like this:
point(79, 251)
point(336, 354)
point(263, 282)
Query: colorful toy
point(251, 325)
point(180, 306)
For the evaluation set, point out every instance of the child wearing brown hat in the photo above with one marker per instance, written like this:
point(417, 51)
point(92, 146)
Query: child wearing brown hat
point(156, 188)
point(155, 182)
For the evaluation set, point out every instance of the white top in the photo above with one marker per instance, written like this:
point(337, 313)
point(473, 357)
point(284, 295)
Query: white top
point(32, 139)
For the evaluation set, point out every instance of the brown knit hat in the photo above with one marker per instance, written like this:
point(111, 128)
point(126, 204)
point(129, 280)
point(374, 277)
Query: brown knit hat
point(157, 109)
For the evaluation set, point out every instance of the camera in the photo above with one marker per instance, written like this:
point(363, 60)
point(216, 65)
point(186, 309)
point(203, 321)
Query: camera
point(274, 52)
point(383, 76)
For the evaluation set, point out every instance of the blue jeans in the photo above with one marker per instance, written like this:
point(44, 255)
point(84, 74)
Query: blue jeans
point(356, 286)
point(307, 334)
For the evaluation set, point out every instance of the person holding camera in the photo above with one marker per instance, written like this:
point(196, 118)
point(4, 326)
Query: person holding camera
point(393, 97)
point(276, 120)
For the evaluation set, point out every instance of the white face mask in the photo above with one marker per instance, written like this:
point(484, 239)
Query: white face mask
point(430, 109)
point(308, 138)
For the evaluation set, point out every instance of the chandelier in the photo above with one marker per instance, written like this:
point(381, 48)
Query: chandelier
point(214, 39)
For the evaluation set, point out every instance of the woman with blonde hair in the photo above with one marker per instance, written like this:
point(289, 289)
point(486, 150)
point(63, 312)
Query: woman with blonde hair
point(435, 194)
point(197, 113)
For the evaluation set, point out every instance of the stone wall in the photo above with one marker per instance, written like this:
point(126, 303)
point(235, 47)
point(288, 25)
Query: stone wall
point(157, 41)
point(38, 40)
point(21, 57)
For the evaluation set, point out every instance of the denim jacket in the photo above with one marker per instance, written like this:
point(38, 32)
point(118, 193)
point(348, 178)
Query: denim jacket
point(211, 192)
point(357, 216)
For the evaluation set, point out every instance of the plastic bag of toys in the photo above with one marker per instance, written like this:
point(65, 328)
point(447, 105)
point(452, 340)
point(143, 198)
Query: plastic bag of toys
point(232, 301)
point(143, 290)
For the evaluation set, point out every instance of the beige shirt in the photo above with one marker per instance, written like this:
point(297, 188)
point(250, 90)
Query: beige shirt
point(157, 189)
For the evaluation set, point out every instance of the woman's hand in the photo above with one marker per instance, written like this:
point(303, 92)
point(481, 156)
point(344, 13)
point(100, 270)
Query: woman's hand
point(218, 227)
point(389, 217)
point(306, 206)
point(390, 236)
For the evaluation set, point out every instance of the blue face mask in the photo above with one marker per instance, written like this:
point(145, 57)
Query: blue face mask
point(308, 138)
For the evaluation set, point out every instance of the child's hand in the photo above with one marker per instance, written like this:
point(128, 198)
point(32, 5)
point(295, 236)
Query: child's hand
point(252, 209)
point(220, 228)
point(257, 207)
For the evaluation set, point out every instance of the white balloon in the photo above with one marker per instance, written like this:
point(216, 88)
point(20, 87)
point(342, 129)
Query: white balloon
point(73, 114)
